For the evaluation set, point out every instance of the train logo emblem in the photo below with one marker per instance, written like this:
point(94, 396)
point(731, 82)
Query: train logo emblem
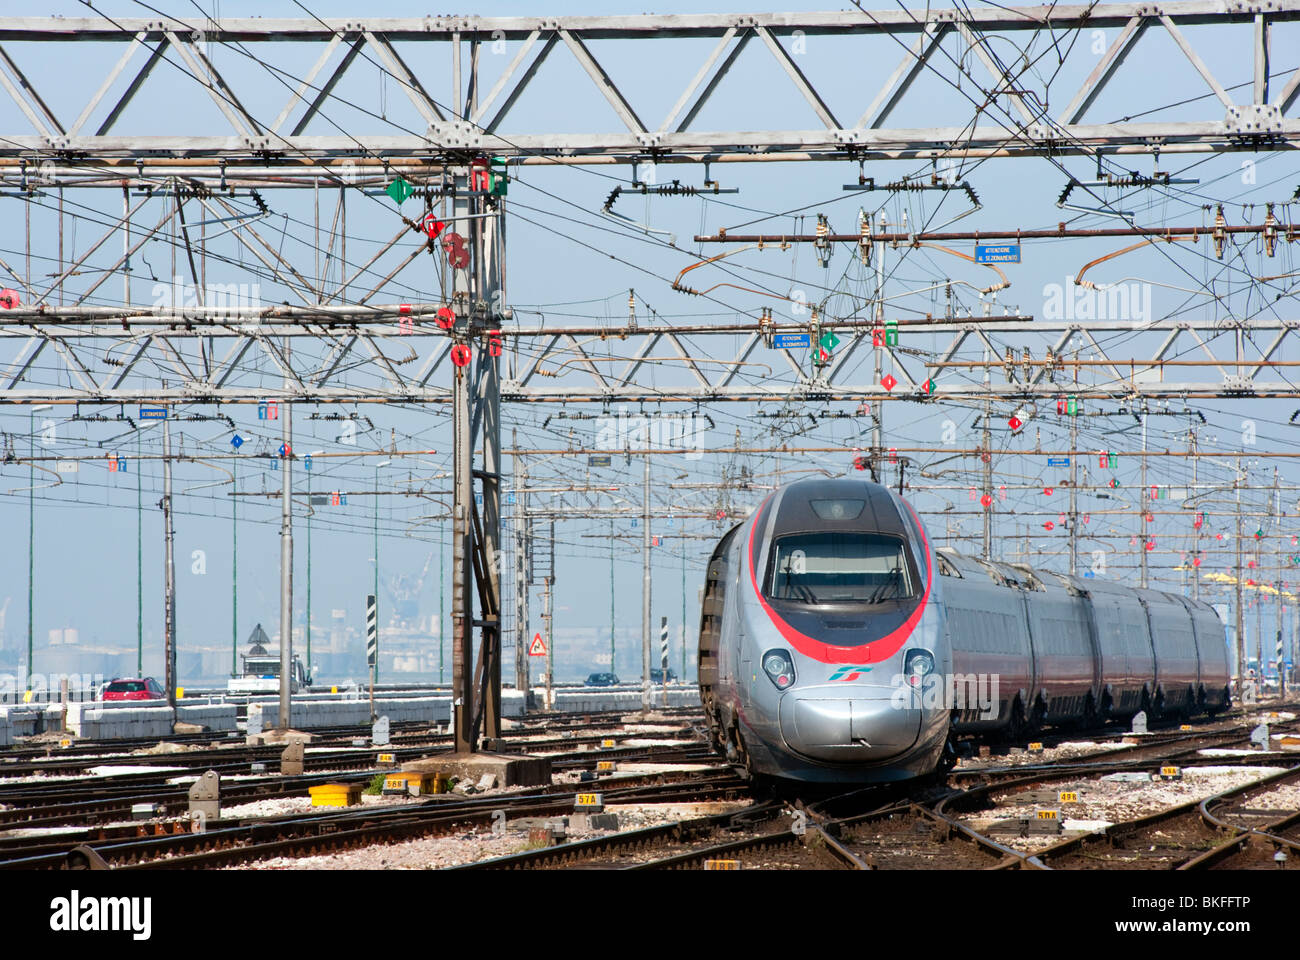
point(848, 673)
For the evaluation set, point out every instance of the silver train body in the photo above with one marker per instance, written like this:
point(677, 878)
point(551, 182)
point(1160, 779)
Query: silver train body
point(838, 645)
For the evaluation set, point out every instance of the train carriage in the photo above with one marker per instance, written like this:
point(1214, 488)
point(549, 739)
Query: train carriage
point(838, 645)
point(1174, 646)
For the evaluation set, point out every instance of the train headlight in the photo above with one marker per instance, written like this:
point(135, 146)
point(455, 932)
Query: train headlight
point(917, 664)
point(779, 668)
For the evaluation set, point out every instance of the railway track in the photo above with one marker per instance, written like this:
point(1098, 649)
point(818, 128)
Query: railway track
point(902, 834)
point(249, 839)
point(93, 801)
point(870, 829)
point(1187, 836)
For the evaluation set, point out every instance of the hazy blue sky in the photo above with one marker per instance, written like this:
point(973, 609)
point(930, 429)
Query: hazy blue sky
point(559, 272)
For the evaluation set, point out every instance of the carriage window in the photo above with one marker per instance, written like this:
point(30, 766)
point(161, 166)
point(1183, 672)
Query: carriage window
point(832, 567)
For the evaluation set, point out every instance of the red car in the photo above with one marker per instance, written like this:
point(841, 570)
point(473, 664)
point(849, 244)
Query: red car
point(146, 688)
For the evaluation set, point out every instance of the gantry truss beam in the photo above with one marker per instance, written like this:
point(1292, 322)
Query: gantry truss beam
point(368, 354)
point(457, 104)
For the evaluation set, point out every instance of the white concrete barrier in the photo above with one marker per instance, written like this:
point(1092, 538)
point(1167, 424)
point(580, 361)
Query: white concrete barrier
point(217, 717)
point(92, 721)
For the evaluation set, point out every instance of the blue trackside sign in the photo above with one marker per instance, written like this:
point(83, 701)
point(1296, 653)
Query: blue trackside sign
point(1058, 461)
point(997, 253)
point(790, 341)
point(153, 413)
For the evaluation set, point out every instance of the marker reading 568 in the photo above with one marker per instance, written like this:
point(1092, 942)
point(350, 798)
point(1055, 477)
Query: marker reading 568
point(453, 245)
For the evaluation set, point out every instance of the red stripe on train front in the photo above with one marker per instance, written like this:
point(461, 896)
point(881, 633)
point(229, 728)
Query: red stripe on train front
point(873, 652)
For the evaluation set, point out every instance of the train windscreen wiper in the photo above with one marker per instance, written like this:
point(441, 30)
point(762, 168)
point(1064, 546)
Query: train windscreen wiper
point(880, 594)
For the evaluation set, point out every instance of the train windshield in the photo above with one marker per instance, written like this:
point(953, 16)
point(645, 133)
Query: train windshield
point(837, 567)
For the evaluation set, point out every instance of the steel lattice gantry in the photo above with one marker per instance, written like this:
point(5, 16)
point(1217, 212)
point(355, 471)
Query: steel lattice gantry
point(368, 355)
point(458, 111)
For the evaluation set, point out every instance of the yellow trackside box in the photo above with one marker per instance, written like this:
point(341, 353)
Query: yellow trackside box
point(606, 766)
point(721, 864)
point(1184, 727)
point(386, 759)
point(1049, 815)
point(1035, 747)
point(1068, 796)
point(335, 795)
point(606, 744)
point(1171, 773)
point(588, 803)
point(405, 782)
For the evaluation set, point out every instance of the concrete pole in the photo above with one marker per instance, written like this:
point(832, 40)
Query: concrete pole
point(645, 589)
point(286, 558)
point(169, 589)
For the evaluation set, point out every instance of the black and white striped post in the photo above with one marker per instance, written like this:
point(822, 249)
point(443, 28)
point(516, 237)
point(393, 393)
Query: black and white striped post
point(372, 645)
point(1281, 660)
point(663, 655)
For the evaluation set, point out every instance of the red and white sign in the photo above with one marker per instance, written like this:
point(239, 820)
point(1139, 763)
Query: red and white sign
point(433, 226)
point(538, 647)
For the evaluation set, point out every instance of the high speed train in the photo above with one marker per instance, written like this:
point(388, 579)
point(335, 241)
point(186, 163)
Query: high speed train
point(837, 644)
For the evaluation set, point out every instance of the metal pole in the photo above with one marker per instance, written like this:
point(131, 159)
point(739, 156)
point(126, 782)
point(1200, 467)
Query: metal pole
point(310, 511)
point(487, 298)
point(683, 629)
point(1196, 527)
point(987, 457)
point(612, 627)
point(1281, 668)
point(234, 570)
point(1241, 640)
point(878, 421)
point(169, 594)
point(645, 589)
point(550, 637)
point(139, 560)
point(462, 654)
point(1142, 500)
point(1074, 481)
point(521, 575)
point(375, 668)
point(1259, 626)
point(286, 559)
point(442, 610)
point(31, 535)
point(663, 656)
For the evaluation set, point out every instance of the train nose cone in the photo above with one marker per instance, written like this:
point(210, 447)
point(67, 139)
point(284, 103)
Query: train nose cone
point(858, 725)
